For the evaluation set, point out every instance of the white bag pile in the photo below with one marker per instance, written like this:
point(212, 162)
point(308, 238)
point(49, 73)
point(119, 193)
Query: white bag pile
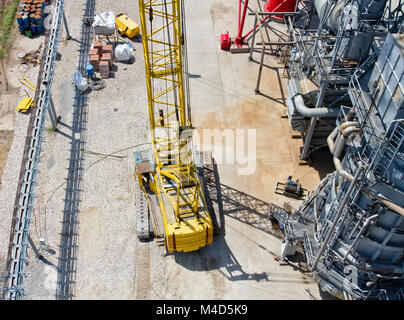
point(80, 82)
point(104, 23)
point(123, 52)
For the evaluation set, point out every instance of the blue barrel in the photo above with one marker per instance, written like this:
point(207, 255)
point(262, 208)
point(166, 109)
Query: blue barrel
point(19, 20)
point(25, 20)
point(32, 18)
point(90, 70)
point(22, 29)
point(40, 29)
point(34, 30)
point(37, 18)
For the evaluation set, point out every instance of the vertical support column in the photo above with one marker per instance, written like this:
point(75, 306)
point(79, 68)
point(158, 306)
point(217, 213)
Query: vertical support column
point(68, 37)
point(239, 38)
point(257, 88)
point(253, 38)
point(307, 141)
point(52, 112)
point(34, 248)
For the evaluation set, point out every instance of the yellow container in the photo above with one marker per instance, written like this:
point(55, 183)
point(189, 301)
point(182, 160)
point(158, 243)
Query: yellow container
point(126, 26)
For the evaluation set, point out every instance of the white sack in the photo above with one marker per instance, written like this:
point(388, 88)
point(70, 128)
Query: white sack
point(80, 82)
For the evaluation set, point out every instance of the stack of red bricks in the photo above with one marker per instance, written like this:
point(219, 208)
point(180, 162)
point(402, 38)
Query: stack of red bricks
point(101, 58)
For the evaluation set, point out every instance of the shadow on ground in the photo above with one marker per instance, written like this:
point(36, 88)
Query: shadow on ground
point(231, 203)
point(68, 247)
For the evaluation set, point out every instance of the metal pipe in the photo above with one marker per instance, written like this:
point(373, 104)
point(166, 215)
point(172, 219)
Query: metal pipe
point(336, 142)
point(357, 224)
point(313, 122)
point(385, 268)
point(388, 203)
point(313, 112)
point(253, 39)
point(257, 88)
point(239, 39)
point(275, 13)
point(367, 221)
point(68, 37)
point(347, 124)
point(281, 43)
point(346, 132)
point(372, 267)
point(336, 160)
point(339, 213)
point(338, 148)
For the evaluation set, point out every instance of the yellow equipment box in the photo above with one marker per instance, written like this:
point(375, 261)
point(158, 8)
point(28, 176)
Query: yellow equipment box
point(126, 26)
point(25, 104)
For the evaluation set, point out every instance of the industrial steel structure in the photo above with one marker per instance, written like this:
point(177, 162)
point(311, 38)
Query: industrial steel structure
point(329, 40)
point(352, 226)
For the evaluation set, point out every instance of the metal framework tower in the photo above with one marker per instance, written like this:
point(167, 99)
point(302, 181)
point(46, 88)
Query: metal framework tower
point(171, 173)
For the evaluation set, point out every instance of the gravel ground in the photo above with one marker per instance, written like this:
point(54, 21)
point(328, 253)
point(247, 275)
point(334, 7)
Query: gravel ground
point(16, 123)
point(103, 261)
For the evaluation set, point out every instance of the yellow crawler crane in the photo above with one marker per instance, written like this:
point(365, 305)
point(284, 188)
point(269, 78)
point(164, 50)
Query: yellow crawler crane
point(168, 171)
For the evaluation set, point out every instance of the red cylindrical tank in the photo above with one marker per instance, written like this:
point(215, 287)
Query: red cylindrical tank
point(280, 6)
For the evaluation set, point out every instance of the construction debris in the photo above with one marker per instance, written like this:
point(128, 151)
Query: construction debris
point(31, 58)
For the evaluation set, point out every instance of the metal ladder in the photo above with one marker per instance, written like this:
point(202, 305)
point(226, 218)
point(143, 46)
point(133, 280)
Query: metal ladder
point(340, 223)
point(391, 148)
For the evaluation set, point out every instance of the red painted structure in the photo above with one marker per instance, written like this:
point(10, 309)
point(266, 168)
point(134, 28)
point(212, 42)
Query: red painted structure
point(225, 41)
point(280, 6)
point(270, 6)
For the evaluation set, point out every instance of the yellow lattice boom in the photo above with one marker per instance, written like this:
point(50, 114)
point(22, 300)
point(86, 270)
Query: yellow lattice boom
point(174, 178)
